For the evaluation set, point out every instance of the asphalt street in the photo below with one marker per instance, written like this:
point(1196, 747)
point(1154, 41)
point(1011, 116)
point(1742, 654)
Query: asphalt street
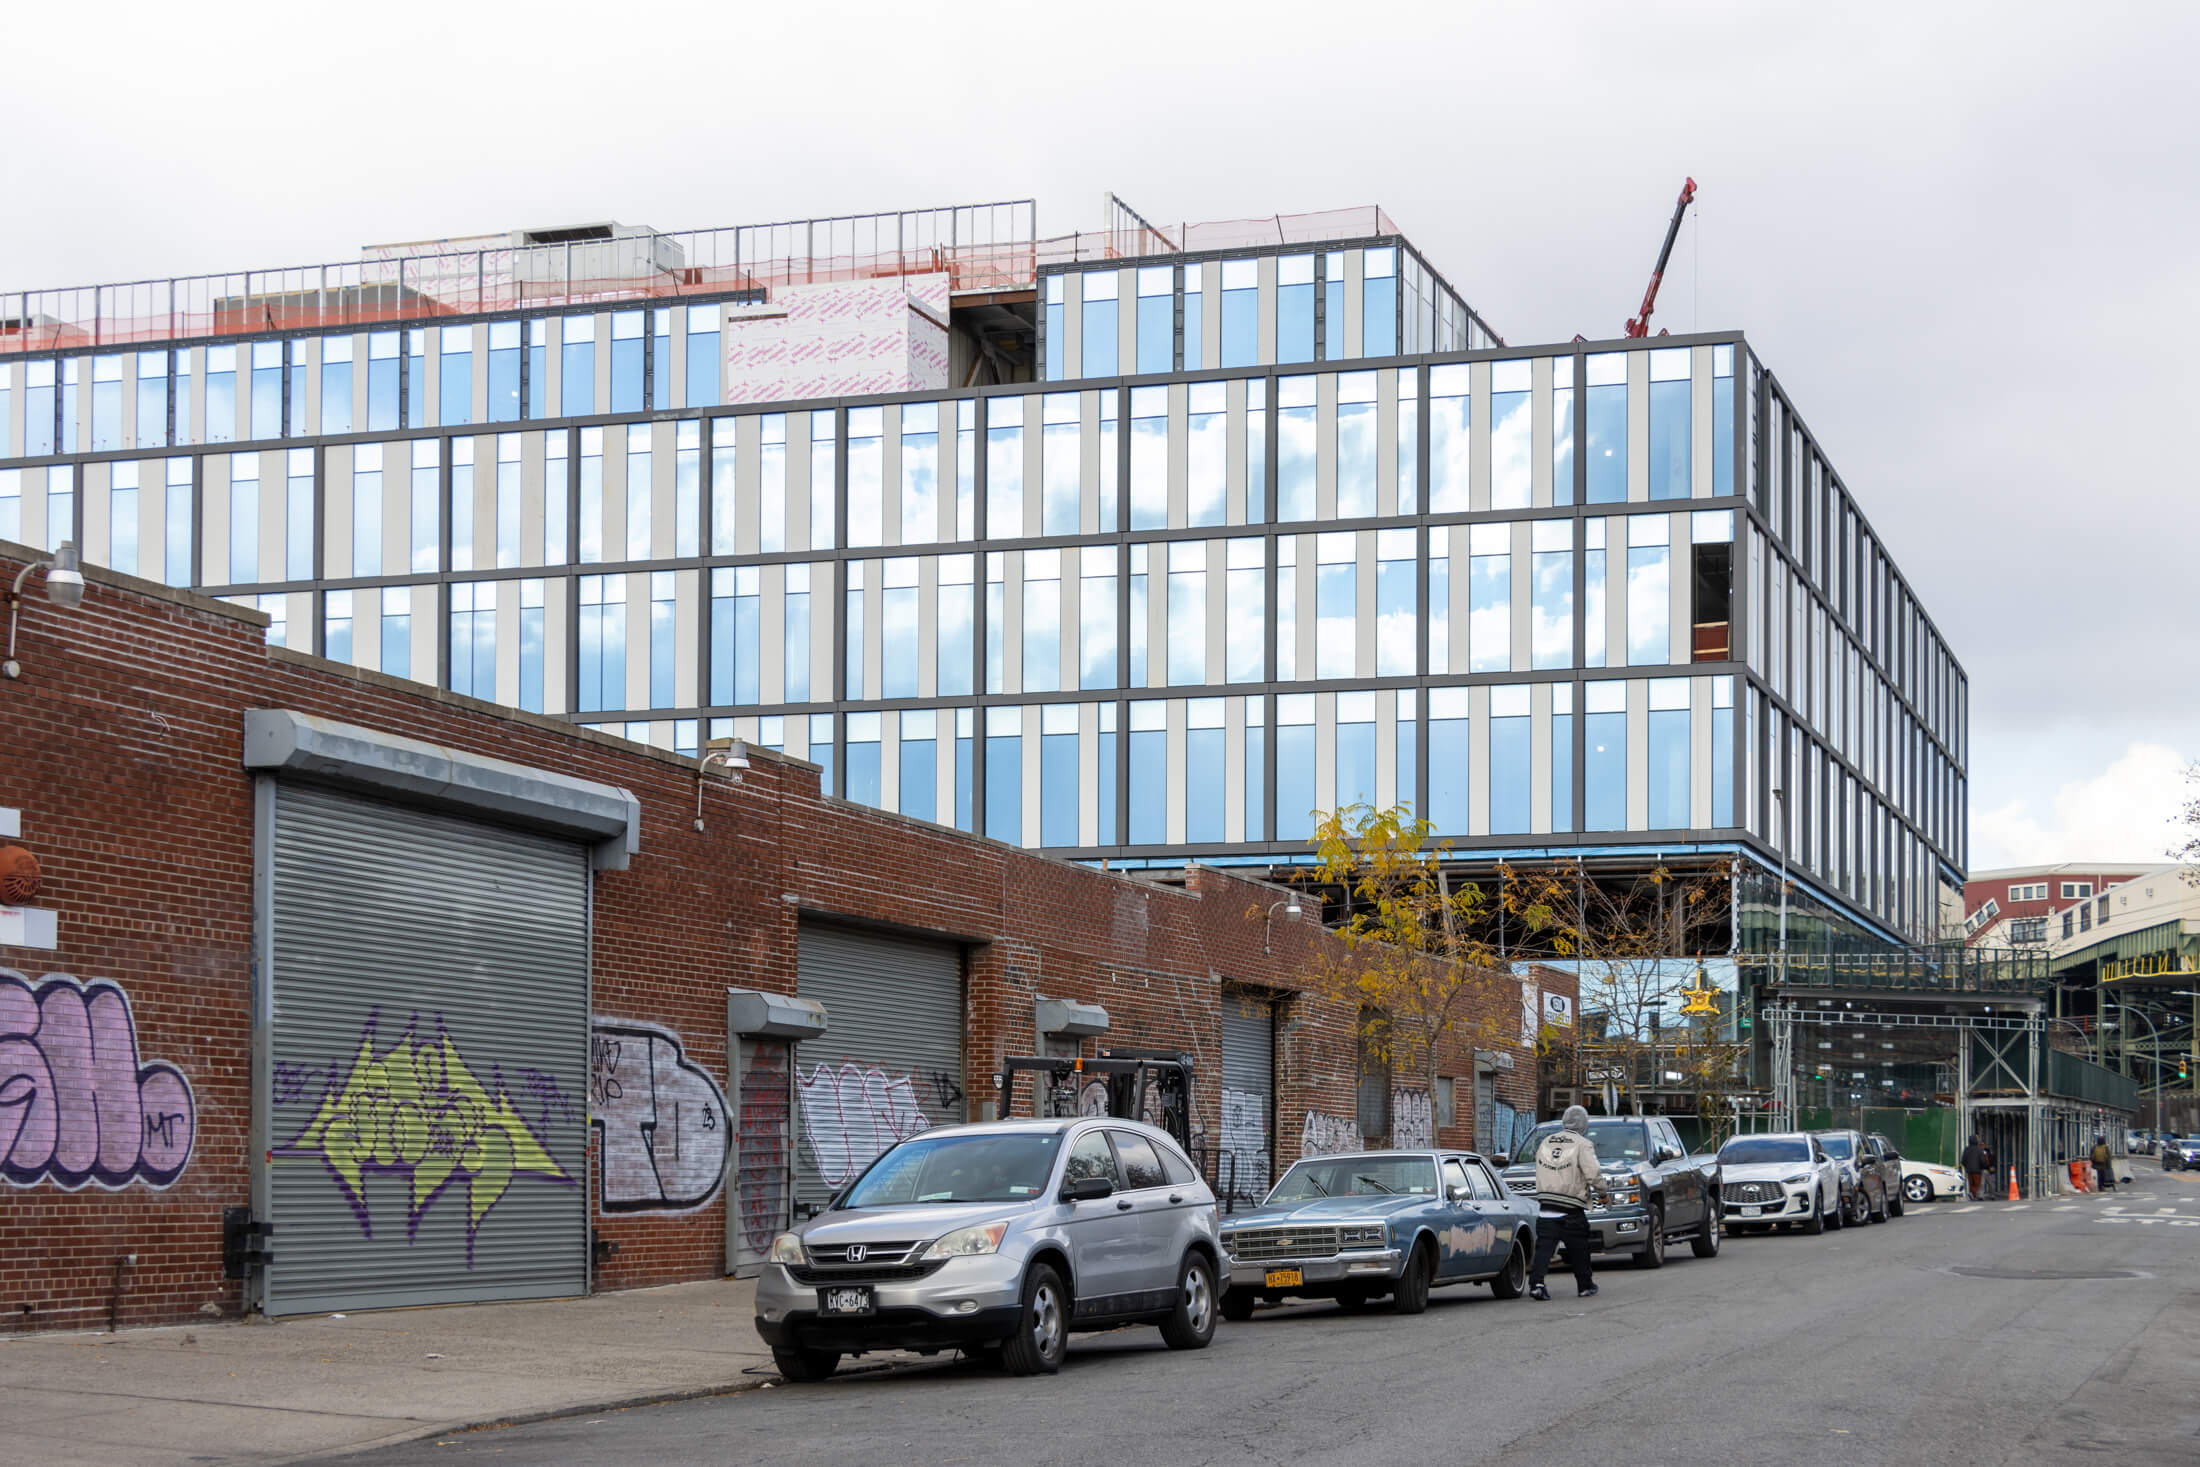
point(1962, 1333)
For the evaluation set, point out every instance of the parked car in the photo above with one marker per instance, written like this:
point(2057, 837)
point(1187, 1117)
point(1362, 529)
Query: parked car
point(1783, 1179)
point(1871, 1185)
point(2141, 1142)
point(2180, 1152)
point(1652, 1194)
point(1001, 1237)
point(1357, 1226)
point(1927, 1181)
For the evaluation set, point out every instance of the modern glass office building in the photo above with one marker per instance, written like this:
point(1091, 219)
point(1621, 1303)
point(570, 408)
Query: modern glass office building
point(1134, 546)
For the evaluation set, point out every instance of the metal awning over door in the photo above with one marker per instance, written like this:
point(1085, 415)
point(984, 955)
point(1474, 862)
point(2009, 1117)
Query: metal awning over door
point(428, 1056)
point(1245, 1157)
point(889, 1065)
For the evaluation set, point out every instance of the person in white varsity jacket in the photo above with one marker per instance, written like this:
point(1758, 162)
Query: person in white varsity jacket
point(1566, 1178)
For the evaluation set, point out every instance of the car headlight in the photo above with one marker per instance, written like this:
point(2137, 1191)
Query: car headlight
point(1623, 1196)
point(964, 1242)
point(1795, 1181)
point(1371, 1235)
point(787, 1248)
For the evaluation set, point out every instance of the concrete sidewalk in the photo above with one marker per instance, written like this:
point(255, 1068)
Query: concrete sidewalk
point(320, 1384)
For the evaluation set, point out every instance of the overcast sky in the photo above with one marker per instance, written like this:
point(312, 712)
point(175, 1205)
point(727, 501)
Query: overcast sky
point(1962, 236)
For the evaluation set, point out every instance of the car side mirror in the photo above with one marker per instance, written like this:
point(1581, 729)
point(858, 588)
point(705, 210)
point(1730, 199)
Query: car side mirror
point(1455, 1193)
point(1087, 1189)
point(1502, 1159)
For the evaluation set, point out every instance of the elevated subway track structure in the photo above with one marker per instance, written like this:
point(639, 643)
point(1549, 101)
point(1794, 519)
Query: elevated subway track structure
point(1981, 1019)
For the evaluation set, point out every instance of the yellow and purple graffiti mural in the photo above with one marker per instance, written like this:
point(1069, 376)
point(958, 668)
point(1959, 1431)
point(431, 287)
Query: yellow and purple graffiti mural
point(416, 1109)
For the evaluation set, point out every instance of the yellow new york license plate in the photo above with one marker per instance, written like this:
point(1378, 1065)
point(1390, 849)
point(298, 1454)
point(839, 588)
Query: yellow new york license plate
point(1284, 1278)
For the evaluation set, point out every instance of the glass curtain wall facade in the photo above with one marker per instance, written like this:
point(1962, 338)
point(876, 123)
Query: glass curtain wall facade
point(1565, 599)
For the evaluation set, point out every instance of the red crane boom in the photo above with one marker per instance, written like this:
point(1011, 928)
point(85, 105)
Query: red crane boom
point(1640, 325)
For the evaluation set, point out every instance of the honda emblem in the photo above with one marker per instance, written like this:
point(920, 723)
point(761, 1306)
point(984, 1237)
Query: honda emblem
point(857, 1252)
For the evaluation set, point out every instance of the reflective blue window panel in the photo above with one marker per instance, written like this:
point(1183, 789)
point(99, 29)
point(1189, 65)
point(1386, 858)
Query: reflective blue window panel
point(963, 777)
point(1295, 797)
point(1004, 788)
point(504, 400)
point(1562, 772)
point(626, 362)
point(1605, 772)
point(920, 763)
point(381, 386)
point(1149, 787)
point(1448, 777)
point(1256, 781)
point(863, 772)
point(1509, 777)
point(1205, 784)
point(1669, 769)
point(1294, 308)
point(1607, 425)
point(1355, 764)
point(1100, 329)
point(1722, 767)
point(1107, 780)
point(1058, 789)
point(1669, 429)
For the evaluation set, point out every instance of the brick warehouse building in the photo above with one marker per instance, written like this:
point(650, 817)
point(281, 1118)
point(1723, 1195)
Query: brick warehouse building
point(441, 989)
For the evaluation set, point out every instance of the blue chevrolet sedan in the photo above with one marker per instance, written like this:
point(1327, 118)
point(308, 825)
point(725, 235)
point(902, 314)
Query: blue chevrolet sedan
point(1366, 1224)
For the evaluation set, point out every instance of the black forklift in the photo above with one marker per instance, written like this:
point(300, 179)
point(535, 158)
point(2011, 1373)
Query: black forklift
point(1150, 1085)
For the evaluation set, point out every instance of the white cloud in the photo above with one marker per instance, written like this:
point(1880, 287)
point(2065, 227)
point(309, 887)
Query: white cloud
point(2127, 812)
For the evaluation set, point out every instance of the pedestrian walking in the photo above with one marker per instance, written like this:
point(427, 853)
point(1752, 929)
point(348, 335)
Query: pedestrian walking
point(1976, 1158)
point(1991, 1171)
point(2104, 1163)
point(1566, 1177)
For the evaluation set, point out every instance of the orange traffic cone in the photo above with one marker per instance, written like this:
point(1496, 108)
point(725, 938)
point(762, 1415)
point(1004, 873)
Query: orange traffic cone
point(2012, 1184)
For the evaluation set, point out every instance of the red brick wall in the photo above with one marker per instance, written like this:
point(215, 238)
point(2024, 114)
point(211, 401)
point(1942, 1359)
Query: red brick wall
point(124, 741)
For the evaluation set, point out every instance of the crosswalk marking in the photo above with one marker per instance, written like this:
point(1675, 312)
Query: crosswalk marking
point(1974, 1207)
point(2068, 1207)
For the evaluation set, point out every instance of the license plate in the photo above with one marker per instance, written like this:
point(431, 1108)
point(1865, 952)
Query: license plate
point(1753, 1212)
point(844, 1301)
point(1284, 1278)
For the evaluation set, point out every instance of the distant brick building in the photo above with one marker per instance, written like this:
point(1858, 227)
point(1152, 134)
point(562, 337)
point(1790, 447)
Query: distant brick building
point(441, 990)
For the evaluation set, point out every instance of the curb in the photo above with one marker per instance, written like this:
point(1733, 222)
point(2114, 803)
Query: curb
point(530, 1418)
point(565, 1413)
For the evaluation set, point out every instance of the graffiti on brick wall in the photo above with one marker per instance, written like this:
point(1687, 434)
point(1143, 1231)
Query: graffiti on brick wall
point(1322, 1134)
point(662, 1120)
point(1245, 1141)
point(418, 1110)
point(1412, 1119)
point(760, 1179)
point(78, 1104)
point(851, 1114)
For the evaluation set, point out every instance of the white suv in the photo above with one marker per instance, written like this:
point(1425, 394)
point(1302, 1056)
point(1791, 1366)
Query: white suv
point(1785, 1179)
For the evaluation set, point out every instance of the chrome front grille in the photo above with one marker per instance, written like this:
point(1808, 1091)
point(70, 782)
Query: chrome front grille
point(867, 1255)
point(1754, 1193)
point(1258, 1245)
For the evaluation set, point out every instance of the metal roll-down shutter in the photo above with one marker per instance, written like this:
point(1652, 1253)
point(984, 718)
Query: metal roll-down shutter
point(1244, 1158)
point(429, 1057)
point(890, 1063)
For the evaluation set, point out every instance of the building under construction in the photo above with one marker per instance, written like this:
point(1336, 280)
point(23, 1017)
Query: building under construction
point(1134, 545)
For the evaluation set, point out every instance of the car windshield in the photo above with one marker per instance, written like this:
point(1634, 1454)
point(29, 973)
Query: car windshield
point(1614, 1140)
point(969, 1168)
point(1744, 1150)
point(1839, 1146)
point(1356, 1176)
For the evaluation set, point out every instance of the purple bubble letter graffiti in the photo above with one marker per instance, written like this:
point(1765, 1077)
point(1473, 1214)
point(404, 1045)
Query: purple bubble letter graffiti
point(77, 1103)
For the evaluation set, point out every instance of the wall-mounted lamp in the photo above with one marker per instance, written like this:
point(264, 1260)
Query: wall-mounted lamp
point(732, 753)
point(64, 588)
point(1290, 907)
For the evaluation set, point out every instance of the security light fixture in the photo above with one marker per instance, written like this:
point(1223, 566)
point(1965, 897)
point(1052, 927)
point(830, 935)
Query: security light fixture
point(733, 754)
point(1290, 906)
point(64, 588)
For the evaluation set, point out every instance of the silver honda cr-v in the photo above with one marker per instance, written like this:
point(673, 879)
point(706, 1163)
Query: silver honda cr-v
point(997, 1237)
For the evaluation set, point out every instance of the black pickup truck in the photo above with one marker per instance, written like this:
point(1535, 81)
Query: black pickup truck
point(1652, 1194)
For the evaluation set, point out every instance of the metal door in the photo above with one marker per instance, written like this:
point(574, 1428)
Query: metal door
point(890, 1066)
point(1247, 1148)
point(763, 1108)
point(428, 1058)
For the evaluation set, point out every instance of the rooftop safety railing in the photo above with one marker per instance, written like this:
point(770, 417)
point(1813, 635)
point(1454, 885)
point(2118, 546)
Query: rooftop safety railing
point(1130, 236)
point(983, 247)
